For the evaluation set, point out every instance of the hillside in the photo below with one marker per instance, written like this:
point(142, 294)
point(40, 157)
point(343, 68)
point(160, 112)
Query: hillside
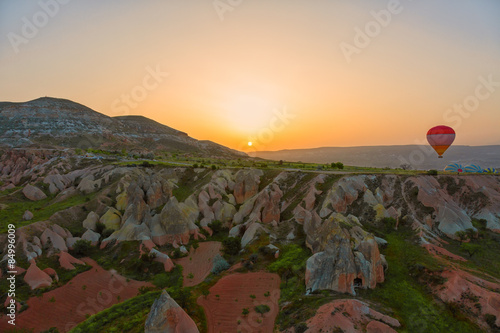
point(250, 249)
point(52, 122)
point(420, 157)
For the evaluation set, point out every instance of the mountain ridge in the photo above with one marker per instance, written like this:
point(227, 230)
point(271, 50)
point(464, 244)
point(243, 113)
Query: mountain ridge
point(58, 122)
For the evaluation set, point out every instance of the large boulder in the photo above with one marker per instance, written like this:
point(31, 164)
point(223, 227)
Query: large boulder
point(91, 236)
point(90, 221)
point(33, 193)
point(166, 316)
point(36, 278)
point(52, 239)
point(27, 216)
point(111, 219)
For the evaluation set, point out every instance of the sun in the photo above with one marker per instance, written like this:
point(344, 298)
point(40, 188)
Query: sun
point(250, 143)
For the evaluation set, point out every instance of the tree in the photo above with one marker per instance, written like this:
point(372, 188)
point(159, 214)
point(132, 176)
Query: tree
point(462, 235)
point(245, 311)
point(340, 165)
point(470, 233)
point(471, 249)
point(405, 166)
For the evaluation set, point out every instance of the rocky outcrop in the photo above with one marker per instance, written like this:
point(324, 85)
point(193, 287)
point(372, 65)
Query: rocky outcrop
point(175, 223)
point(66, 260)
point(350, 315)
point(36, 278)
point(90, 221)
point(246, 184)
point(91, 236)
point(344, 257)
point(111, 219)
point(33, 193)
point(166, 316)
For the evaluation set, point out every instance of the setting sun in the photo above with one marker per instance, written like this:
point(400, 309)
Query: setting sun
point(250, 143)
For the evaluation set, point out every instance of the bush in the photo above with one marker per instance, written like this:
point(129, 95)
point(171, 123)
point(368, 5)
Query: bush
point(219, 264)
point(216, 226)
point(106, 233)
point(301, 328)
point(232, 245)
point(432, 172)
point(99, 228)
point(490, 320)
point(262, 309)
point(82, 248)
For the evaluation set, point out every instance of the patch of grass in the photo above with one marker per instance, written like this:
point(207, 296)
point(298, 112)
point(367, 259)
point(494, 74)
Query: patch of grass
point(42, 210)
point(486, 260)
point(410, 299)
point(268, 178)
point(128, 316)
point(187, 185)
point(126, 259)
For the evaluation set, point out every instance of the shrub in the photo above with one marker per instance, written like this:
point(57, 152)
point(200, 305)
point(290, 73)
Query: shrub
point(490, 320)
point(245, 311)
point(432, 172)
point(106, 233)
point(82, 247)
point(219, 264)
point(99, 228)
point(232, 245)
point(262, 309)
point(301, 328)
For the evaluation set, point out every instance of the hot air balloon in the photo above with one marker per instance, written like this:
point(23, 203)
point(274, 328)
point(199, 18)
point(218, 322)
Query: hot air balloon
point(440, 138)
point(473, 168)
point(454, 167)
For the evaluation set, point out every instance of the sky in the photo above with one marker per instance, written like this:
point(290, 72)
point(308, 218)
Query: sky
point(280, 74)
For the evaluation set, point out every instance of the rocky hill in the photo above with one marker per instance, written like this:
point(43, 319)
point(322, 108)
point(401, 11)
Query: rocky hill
point(393, 243)
point(53, 122)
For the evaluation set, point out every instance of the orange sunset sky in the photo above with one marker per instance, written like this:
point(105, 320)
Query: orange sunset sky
point(232, 64)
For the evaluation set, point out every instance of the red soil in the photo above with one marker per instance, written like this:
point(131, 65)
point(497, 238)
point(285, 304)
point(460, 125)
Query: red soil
point(73, 301)
point(351, 316)
point(462, 287)
point(224, 312)
point(439, 251)
point(198, 262)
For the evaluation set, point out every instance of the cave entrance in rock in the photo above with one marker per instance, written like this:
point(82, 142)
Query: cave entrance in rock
point(358, 282)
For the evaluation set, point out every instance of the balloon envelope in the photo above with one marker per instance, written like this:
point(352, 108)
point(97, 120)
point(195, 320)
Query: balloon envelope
point(440, 138)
